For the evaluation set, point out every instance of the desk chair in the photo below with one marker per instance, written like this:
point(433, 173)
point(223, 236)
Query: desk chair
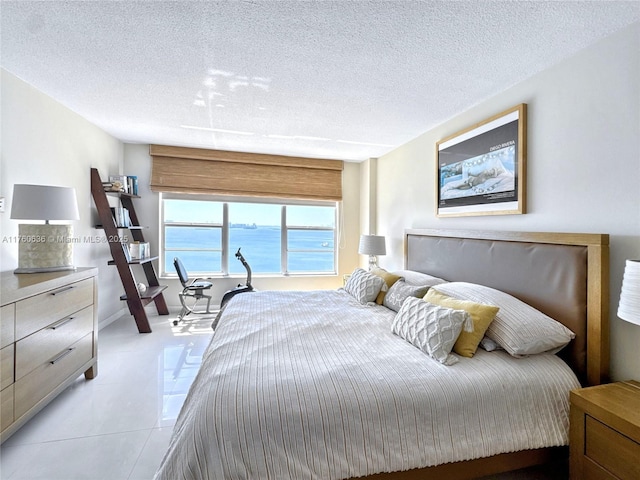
point(191, 289)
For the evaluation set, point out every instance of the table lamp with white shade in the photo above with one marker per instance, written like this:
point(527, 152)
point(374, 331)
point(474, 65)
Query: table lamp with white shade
point(629, 306)
point(372, 245)
point(44, 247)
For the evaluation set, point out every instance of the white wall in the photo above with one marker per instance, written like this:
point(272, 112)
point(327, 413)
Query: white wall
point(46, 143)
point(138, 162)
point(583, 167)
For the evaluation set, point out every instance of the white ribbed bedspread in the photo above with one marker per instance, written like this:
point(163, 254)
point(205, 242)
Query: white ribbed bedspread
point(313, 385)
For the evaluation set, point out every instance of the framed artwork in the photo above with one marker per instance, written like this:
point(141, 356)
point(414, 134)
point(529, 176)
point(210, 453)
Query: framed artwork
point(482, 170)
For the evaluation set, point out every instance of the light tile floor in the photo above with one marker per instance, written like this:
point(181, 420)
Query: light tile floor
point(116, 426)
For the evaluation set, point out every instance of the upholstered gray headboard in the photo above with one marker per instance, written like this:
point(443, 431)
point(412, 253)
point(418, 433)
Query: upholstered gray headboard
point(562, 275)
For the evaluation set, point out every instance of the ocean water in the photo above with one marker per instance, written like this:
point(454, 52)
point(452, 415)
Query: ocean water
point(308, 250)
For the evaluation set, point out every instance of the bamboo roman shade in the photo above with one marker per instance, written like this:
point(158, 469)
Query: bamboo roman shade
point(197, 170)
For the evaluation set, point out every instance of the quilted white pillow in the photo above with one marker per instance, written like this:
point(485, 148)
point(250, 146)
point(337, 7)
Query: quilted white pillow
point(518, 327)
point(431, 328)
point(364, 286)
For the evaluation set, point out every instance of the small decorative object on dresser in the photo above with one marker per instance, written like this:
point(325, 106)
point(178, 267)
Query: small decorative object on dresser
point(605, 431)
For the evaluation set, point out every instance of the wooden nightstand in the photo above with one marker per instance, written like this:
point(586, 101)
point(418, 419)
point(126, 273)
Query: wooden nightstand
point(605, 432)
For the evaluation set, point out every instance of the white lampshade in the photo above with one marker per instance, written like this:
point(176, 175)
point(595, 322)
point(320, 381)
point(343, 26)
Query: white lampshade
point(372, 245)
point(44, 202)
point(629, 306)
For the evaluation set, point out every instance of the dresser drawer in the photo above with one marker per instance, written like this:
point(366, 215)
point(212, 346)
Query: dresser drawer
point(32, 388)
point(6, 407)
point(38, 311)
point(7, 325)
point(6, 366)
point(38, 348)
point(611, 450)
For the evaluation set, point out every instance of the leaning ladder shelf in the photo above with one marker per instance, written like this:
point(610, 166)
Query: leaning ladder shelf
point(136, 301)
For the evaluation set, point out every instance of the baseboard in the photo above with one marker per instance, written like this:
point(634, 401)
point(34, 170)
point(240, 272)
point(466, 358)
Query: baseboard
point(112, 318)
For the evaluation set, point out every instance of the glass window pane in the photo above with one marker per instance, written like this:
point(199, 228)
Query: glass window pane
point(309, 240)
point(196, 262)
point(192, 211)
point(311, 216)
point(310, 250)
point(192, 238)
point(311, 261)
point(255, 228)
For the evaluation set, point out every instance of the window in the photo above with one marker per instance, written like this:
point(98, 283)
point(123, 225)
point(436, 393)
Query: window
point(256, 229)
point(292, 238)
point(310, 235)
point(192, 231)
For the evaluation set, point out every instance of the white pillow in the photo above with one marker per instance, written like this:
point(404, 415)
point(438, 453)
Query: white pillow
point(364, 286)
point(418, 278)
point(431, 328)
point(518, 328)
point(489, 345)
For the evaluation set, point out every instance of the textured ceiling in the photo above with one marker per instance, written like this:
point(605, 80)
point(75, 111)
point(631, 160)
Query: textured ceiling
point(334, 79)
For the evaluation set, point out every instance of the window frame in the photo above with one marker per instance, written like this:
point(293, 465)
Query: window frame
point(167, 271)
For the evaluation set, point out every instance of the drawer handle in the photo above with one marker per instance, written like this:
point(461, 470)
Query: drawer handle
point(62, 355)
point(62, 322)
point(62, 290)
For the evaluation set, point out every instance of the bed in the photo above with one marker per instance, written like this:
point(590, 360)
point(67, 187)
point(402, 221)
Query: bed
point(321, 385)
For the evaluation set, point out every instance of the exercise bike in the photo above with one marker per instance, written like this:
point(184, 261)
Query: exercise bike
point(247, 287)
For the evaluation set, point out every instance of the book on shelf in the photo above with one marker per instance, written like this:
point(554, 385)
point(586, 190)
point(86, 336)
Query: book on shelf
point(127, 252)
point(121, 216)
point(139, 250)
point(132, 184)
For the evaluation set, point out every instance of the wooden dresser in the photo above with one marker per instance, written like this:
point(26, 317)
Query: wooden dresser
point(605, 432)
point(48, 337)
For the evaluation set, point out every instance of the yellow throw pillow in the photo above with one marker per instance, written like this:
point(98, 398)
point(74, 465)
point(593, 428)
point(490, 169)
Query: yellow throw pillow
point(389, 279)
point(481, 314)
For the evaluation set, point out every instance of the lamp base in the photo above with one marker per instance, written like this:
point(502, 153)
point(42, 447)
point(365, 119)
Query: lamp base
point(45, 248)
